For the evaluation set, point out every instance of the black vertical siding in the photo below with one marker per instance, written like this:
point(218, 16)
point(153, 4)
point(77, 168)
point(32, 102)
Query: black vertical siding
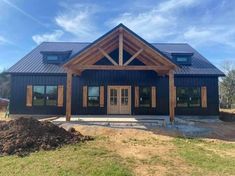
point(97, 78)
point(18, 94)
point(212, 94)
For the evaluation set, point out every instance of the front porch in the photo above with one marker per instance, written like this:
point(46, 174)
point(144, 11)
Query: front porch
point(149, 59)
point(120, 121)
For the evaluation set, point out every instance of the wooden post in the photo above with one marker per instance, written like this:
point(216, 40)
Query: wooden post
point(121, 47)
point(171, 96)
point(68, 95)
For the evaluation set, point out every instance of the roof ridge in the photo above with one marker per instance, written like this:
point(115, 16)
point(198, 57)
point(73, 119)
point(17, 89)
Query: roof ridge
point(161, 43)
point(65, 42)
point(165, 43)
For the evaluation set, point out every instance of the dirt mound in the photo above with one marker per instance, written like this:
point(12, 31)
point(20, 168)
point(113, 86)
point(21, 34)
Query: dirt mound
point(25, 135)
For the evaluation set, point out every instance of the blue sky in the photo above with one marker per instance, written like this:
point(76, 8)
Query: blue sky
point(207, 25)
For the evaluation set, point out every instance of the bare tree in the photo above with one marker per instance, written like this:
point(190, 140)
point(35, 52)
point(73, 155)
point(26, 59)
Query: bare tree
point(227, 85)
point(4, 85)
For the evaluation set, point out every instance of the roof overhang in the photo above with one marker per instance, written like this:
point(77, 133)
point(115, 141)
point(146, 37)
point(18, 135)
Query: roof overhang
point(120, 38)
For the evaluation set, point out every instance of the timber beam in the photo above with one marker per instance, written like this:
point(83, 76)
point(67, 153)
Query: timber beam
point(68, 95)
point(120, 47)
point(118, 67)
point(107, 56)
point(171, 96)
point(133, 57)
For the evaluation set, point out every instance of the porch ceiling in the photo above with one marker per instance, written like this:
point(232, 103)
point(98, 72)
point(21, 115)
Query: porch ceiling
point(122, 39)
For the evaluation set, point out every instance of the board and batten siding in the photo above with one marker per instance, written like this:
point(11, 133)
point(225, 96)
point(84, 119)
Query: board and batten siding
point(104, 78)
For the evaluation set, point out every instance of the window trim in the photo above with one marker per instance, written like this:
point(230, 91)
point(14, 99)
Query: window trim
point(92, 96)
point(150, 97)
point(189, 96)
point(44, 96)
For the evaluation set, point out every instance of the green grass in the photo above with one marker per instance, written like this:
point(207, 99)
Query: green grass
point(80, 159)
point(206, 156)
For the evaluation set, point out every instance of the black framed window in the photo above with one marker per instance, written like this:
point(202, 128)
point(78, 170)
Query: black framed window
point(145, 96)
point(38, 95)
point(51, 95)
point(93, 96)
point(188, 97)
point(45, 95)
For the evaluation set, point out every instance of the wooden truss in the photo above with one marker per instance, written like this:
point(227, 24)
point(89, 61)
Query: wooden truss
point(122, 39)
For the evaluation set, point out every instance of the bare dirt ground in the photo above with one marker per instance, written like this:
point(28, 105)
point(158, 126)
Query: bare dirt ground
point(2, 114)
point(221, 130)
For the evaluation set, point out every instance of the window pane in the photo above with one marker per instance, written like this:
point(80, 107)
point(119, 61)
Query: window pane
point(182, 102)
point(182, 97)
point(52, 58)
point(93, 96)
point(195, 91)
point(113, 96)
point(124, 97)
point(182, 59)
point(38, 95)
point(113, 100)
point(188, 97)
point(194, 102)
point(195, 97)
point(93, 101)
point(51, 95)
point(145, 96)
point(93, 91)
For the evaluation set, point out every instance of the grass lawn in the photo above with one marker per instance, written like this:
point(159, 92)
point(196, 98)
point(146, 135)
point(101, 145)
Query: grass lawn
point(127, 152)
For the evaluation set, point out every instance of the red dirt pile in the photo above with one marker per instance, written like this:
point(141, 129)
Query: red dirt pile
point(25, 135)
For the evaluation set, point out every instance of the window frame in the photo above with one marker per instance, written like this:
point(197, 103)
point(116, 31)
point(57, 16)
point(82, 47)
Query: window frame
point(88, 105)
point(44, 96)
point(150, 97)
point(189, 96)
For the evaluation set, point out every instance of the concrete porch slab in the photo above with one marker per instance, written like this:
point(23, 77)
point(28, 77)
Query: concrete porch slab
point(114, 118)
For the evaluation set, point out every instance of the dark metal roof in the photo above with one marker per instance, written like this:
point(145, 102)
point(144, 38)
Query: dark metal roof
point(33, 62)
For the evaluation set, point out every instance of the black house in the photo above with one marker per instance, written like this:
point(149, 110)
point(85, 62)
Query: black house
point(119, 73)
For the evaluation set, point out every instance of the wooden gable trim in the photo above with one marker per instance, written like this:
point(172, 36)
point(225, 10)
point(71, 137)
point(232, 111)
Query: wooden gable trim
point(133, 56)
point(92, 47)
point(108, 56)
point(143, 55)
point(118, 67)
point(92, 58)
point(127, 35)
point(123, 39)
